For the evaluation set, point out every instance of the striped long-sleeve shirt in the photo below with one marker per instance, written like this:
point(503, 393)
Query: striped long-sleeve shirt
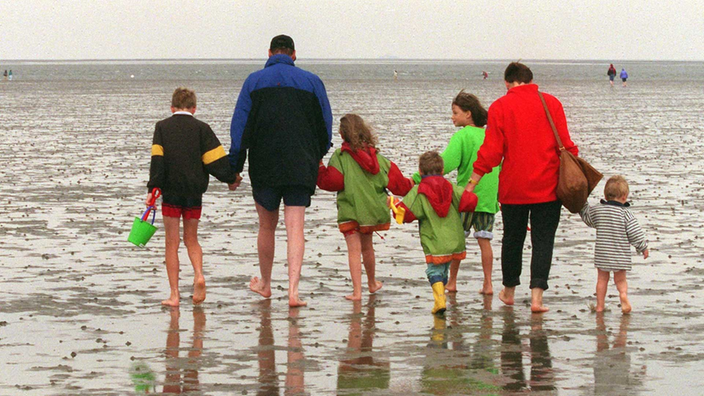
point(616, 230)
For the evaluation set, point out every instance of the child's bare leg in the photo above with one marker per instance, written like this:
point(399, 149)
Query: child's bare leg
point(294, 217)
point(369, 261)
point(602, 283)
point(172, 239)
point(507, 295)
point(622, 286)
point(354, 258)
point(487, 265)
point(265, 250)
point(451, 286)
point(195, 253)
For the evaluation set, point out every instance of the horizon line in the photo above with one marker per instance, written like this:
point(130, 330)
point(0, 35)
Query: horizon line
point(388, 59)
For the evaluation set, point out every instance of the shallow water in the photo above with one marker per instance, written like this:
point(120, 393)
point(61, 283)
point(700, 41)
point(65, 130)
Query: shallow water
point(79, 306)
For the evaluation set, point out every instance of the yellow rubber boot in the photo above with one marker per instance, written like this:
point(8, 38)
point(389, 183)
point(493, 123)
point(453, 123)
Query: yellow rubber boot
point(439, 295)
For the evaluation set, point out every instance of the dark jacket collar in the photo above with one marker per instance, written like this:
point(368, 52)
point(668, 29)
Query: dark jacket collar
point(279, 58)
point(616, 203)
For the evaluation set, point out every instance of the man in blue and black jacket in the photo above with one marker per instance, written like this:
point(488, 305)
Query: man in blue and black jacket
point(283, 121)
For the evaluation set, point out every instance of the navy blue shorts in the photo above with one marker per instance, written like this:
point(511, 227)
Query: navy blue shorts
point(270, 197)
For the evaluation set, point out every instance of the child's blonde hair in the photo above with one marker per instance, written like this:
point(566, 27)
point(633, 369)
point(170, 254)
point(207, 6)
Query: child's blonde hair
point(356, 132)
point(616, 187)
point(183, 98)
point(431, 163)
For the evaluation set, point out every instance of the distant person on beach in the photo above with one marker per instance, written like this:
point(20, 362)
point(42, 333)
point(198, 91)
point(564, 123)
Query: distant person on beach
point(361, 175)
point(616, 230)
point(460, 154)
point(283, 118)
point(624, 76)
point(436, 203)
point(395, 75)
point(519, 137)
point(4, 75)
point(485, 75)
point(185, 151)
point(611, 73)
point(9, 75)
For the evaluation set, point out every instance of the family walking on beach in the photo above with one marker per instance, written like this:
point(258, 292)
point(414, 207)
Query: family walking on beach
point(282, 123)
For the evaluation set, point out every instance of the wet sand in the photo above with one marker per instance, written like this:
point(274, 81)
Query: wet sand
point(79, 306)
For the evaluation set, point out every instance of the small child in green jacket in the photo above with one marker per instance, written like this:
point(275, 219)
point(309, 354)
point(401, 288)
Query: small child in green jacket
point(437, 204)
point(361, 175)
point(460, 153)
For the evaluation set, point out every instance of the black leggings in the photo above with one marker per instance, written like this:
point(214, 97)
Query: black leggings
point(544, 218)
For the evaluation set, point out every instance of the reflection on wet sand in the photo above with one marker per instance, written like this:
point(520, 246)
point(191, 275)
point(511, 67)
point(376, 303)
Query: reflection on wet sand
point(266, 355)
point(182, 374)
point(542, 376)
point(449, 367)
point(612, 367)
point(362, 370)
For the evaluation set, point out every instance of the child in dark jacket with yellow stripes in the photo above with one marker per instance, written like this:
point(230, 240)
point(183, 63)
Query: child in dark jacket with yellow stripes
point(185, 152)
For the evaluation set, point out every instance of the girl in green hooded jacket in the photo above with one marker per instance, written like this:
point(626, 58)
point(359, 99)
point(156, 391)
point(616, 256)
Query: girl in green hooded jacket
point(360, 176)
point(460, 154)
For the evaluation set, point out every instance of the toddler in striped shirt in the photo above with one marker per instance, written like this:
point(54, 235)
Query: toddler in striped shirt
point(616, 230)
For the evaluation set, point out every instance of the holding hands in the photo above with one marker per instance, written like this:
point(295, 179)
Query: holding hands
point(236, 184)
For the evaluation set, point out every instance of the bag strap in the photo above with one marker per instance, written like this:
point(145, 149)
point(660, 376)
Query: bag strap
point(552, 124)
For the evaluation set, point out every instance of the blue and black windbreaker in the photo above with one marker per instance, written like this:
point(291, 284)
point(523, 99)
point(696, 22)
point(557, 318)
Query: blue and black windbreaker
point(283, 120)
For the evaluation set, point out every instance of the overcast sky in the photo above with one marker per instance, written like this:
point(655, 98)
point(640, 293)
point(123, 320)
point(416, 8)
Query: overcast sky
point(437, 29)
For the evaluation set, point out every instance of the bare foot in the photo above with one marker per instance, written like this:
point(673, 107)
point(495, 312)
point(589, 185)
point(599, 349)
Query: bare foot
point(353, 297)
point(173, 301)
point(487, 289)
point(451, 288)
point(256, 285)
point(625, 305)
point(506, 296)
point(599, 310)
point(373, 288)
point(538, 308)
point(536, 301)
point(296, 302)
point(199, 291)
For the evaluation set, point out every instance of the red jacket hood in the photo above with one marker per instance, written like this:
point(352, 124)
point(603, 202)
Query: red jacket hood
point(439, 193)
point(366, 158)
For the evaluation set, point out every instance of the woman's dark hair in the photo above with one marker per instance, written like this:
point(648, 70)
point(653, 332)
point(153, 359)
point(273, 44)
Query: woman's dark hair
point(518, 72)
point(469, 102)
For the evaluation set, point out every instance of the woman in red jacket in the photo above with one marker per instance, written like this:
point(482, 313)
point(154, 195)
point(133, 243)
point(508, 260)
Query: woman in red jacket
point(519, 134)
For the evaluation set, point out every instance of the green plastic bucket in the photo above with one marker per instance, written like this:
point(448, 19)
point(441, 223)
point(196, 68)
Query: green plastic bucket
point(142, 230)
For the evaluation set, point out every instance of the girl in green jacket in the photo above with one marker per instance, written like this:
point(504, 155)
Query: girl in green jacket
point(360, 176)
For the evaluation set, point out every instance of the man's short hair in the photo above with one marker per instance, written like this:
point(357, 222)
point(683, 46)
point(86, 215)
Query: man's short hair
point(431, 163)
point(616, 187)
point(183, 98)
point(282, 44)
point(518, 72)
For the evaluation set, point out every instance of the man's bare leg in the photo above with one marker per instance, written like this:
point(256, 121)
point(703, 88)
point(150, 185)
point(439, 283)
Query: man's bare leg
point(622, 286)
point(294, 217)
point(507, 295)
point(265, 249)
point(172, 240)
point(369, 260)
point(487, 265)
point(451, 286)
point(536, 300)
point(602, 283)
point(195, 253)
point(354, 258)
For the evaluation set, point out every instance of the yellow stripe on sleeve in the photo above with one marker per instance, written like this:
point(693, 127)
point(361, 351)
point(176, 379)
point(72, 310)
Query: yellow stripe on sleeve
point(213, 155)
point(157, 150)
